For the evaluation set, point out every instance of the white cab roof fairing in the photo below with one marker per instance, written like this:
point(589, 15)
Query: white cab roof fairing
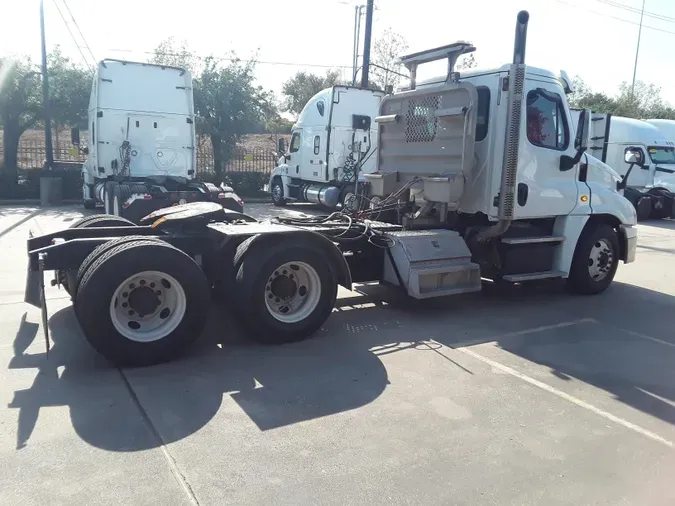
point(310, 116)
point(629, 130)
point(667, 127)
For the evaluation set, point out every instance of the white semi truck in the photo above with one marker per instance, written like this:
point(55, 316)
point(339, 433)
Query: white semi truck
point(481, 176)
point(141, 142)
point(333, 143)
point(650, 179)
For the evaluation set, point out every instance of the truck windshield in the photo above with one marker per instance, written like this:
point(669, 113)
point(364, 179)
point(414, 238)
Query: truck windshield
point(662, 155)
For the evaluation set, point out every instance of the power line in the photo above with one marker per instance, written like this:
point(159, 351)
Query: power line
point(635, 10)
point(616, 18)
point(71, 34)
point(226, 58)
point(80, 31)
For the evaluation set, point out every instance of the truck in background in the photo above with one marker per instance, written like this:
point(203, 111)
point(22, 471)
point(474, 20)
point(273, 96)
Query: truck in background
point(650, 177)
point(141, 142)
point(333, 143)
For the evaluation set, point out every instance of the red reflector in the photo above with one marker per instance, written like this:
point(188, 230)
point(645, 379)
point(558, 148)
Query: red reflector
point(222, 195)
point(126, 204)
point(240, 202)
point(147, 197)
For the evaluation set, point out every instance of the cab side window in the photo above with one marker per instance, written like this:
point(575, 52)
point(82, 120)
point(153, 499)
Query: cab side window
point(295, 142)
point(546, 120)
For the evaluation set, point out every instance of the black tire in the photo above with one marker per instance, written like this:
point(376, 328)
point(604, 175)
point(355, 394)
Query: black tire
point(89, 203)
point(643, 208)
point(98, 251)
point(255, 262)
point(277, 191)
point(112, 268)
point(580, 279)
point(661, 207)
point(69, 277)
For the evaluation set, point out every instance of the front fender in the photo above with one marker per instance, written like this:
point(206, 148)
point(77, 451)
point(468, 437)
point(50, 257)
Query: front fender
point(607, 201)
point(279, 171)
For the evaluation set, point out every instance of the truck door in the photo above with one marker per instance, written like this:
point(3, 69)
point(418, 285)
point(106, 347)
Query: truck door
point(296, 153)
point(639, 177)
point(542, 188)
point(315, 169)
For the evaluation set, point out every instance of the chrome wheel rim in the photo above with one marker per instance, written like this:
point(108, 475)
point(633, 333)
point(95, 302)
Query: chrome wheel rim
point(148, 306)
point(349, 202)
point(277, 194)
point(601, 260)
point(292, 292)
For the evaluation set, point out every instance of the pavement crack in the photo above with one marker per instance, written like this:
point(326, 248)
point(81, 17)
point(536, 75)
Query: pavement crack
point(161, 444)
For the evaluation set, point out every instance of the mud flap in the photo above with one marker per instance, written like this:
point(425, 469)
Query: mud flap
point(35, 294)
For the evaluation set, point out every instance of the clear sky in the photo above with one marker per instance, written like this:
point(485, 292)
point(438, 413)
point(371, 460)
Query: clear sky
point(595, 39)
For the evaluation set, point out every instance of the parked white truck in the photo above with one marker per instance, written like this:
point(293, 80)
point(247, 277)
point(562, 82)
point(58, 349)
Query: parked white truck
point(650, 178)
point(512, 198)
point(334, 142)
point(141, 142)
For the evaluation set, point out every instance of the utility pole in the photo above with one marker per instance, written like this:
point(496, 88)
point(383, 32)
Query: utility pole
point(45, 92)
point(358, 12)
point(366, 44)
point(637, 50)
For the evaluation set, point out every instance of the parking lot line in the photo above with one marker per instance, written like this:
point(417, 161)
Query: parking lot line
point(635, 334)
point(568, 397)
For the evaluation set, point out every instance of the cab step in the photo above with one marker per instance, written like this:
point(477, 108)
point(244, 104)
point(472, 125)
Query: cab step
point(534, 239)
point(532, 276)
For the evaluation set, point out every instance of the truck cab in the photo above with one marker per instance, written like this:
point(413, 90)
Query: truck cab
point(333, 142)
point(141, 141)
point(649, 183)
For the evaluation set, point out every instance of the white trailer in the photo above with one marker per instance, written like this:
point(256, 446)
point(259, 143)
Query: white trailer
point(481, 176)
point(141, 141)
point(333, 143)
point(650, 176)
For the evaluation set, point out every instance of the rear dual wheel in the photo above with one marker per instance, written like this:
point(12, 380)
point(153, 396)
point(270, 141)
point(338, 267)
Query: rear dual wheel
point(68, 277)
point(141, 301)
point(285, 292)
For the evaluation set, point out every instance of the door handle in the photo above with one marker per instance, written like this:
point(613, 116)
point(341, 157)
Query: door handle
point(523, 191)
point(297, 169)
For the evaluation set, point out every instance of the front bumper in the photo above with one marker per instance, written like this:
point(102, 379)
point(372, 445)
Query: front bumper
point(628, 236)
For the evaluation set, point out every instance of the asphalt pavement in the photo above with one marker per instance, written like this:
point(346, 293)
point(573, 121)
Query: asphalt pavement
point(523, 396)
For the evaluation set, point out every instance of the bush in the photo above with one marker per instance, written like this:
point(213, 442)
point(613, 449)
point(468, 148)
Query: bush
point(28, 186)
point(245, 184)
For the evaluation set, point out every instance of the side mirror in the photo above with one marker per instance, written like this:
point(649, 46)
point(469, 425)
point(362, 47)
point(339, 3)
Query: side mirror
point(75, 136)
point(634, 156)
point(282, 145)
point(583, 130)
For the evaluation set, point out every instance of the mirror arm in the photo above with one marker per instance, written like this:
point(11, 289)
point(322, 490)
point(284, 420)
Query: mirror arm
point(621, 185)
point(568, 162)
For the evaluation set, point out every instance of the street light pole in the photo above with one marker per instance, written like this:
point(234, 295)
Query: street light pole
point(45, 92)
point(637, 50)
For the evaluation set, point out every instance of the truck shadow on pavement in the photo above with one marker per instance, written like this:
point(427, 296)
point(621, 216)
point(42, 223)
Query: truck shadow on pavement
point(340, 369)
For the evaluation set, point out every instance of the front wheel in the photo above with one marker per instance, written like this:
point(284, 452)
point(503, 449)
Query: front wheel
point(277, 191)
point(285, 292)
point(595, 261)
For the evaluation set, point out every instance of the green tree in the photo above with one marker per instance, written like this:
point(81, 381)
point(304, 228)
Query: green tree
point(387, 49)
point(645, 102)
point(228, 105)
point(20, 108)
point(69, 90)
point(304, 85)
point(175, 54)
point(466, 61)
